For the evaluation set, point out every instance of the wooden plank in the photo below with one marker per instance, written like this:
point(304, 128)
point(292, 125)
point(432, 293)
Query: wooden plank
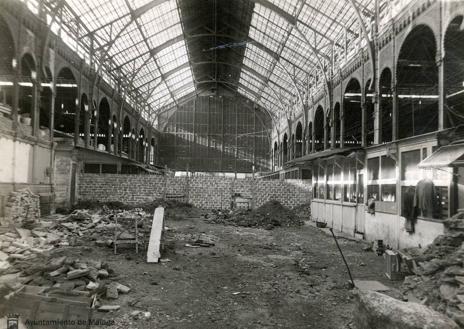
point(153, 254)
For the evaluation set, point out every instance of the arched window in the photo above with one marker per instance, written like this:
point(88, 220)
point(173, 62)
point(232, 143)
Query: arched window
point(27, 81)
point(337, 124)
point(352, 113)
point(285, 149)
point(66, 101)
point(299, 140)
point(369, 114)
point(141, 145)
point(104, 124)
point(417, 84)
point(6, 63)
point(454, 73)
point(84, 116)
point(386, 106)
point(319, 129)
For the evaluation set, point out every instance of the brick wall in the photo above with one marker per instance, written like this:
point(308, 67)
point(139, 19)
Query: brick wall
point(203, 192)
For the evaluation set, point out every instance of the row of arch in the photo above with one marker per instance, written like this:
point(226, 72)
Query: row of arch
point(74, 114)
point(408, 102)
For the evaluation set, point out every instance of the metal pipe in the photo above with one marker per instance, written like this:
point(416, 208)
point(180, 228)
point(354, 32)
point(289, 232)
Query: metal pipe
point(343, 257)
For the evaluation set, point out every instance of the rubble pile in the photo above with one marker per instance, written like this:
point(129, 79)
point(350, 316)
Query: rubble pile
point(22, 244)
point(174, 209)
point(101, 226)
point(62, 276)
point(270, 215)
point(439, 279)
point(23, 207)
point(303, 211)
point(29, 258)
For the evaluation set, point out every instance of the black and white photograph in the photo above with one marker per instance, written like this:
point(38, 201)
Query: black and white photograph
point(232, 164)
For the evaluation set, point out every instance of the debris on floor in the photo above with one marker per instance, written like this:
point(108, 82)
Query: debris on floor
point(66, 256)
point(23, 207)
point(376, 310)
point(43, 255)
point(439, 276)
point(303, 211)
point(268, 216)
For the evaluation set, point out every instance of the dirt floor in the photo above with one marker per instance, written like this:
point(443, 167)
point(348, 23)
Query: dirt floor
point(248, 279)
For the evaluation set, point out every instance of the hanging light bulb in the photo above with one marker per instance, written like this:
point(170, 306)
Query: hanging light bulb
point(33, 75)
point(14, 63)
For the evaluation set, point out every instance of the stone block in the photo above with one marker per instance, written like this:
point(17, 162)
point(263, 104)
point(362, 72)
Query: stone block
point(378, 311)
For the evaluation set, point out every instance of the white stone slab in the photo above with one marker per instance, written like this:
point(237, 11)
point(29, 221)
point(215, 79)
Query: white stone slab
point(153, 253)
point(370, 285)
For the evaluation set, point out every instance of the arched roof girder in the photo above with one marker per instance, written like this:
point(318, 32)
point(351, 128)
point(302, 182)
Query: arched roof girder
point(252, 71)
point(236, 84)
point(294, 21)
point(58, 7)
point(370, 46)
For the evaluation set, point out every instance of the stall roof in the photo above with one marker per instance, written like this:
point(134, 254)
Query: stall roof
point(146, 169)
point(445, 156)
point(323, 154)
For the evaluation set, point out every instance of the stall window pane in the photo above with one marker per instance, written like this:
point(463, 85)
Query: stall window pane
point(409, 162)
point(330, 182)
point(389, 192)
point(373, 169)
point(315, 181)
point(346, 182)
point(424, 153)
point(373, 192)
point(388, 168)
point(444, 200)
point(337, 182)
point(360, 189)
point(321, 183)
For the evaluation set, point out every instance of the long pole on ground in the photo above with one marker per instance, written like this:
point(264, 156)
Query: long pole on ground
point(343, 257)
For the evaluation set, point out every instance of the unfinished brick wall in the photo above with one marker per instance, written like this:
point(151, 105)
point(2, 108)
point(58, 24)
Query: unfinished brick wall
point(203, 191)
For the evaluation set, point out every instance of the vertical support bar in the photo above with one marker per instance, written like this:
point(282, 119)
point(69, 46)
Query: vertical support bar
point(223, 141)
point(377, 115)
point(236, 138)
point(377, 95)
point(326, 128)
point(17, 73)
point(313, 142)
point(254, 139)
point(363, 111)
point(77, 117)
point(394, 89)
point(333, 131)
point(194, 130)
point(137, 140)
point(441, 71)
point(96, 105)
point(52, 141)
point(342, 123)
point(441, 92)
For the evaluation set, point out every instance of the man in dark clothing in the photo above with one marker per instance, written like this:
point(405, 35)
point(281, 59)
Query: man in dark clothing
point(426, 199)
point(408, 210)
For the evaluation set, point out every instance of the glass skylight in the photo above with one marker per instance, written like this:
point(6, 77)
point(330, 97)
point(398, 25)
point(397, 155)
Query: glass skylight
point(320, 29)
point(141, 38)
